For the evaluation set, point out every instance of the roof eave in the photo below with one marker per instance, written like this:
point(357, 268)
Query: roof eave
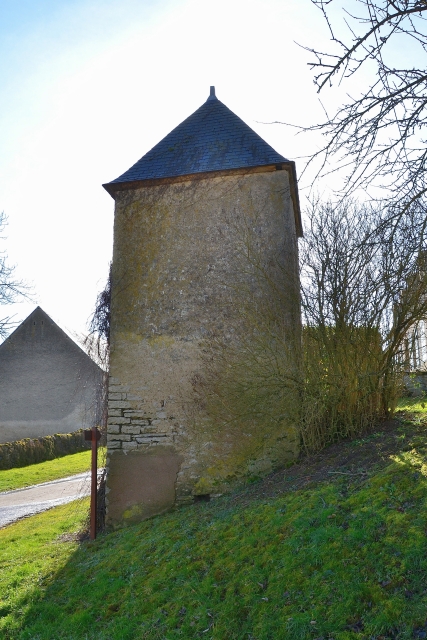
point(113, 187)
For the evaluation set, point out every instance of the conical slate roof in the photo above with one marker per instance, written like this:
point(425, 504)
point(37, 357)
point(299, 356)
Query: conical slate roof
point(213, 138)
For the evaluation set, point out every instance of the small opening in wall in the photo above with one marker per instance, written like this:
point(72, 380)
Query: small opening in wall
point(203, 497)
point(279, 167)
point(34, 323)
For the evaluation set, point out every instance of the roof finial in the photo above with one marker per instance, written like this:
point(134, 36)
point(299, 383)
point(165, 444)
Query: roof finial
point(212, 95)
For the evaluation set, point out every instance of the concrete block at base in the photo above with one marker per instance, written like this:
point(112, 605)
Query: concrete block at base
point(141, 484)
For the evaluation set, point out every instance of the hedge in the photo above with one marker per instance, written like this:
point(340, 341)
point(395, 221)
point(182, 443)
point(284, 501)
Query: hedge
point(32, 450)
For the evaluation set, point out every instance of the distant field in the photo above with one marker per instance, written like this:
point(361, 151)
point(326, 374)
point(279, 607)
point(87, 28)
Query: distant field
point(45, 471)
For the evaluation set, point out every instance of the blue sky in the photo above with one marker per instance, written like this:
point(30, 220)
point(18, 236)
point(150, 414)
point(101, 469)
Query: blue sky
point(88, 86)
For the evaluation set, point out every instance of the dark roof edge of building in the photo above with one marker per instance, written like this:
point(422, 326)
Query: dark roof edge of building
point(39, 310)
point(295, 199)
point(113, 187)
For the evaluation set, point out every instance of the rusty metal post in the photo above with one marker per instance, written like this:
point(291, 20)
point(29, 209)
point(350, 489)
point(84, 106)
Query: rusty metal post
point(94, 484)
point(93, 435)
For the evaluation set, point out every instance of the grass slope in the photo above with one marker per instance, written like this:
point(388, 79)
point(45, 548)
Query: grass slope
point(30, 556)
point(342, 559)
point(45, 471)
point(414, 405)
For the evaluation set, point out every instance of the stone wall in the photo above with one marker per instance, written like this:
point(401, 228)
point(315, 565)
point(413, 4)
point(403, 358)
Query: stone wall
point(187, 258)
point(415, 383)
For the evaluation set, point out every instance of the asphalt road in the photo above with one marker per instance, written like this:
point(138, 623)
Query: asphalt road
point(26, 502)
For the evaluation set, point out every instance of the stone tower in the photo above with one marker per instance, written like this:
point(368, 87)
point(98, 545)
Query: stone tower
point(205, 245)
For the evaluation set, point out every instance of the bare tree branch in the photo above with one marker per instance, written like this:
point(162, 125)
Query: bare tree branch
point(379, 137)
point(364, 278)
point(11, 289)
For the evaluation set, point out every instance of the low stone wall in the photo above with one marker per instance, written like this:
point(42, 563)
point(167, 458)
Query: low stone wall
point(415, 383)
point(31, 451)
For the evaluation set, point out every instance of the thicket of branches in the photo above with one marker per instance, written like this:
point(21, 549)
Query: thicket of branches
point(364, 283)
point(97, 342)
point(11, 289)
point(97, 346)
point(379, 135)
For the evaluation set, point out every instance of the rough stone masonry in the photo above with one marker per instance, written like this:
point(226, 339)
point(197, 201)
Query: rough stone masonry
point(197, 220)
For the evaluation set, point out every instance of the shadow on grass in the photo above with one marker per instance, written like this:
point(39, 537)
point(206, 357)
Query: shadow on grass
point(343, 559)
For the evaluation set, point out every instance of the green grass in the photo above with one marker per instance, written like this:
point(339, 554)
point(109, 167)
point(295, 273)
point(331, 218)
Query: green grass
point(45, 471)
point(414, 405)
point(346, 559)
point(30, 556)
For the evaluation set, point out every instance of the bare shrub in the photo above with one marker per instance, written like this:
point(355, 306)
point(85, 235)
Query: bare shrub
point(11, 289)
point(97, 346)
point(363, 287)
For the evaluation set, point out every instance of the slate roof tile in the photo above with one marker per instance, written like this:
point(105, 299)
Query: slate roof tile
point(213, 138)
